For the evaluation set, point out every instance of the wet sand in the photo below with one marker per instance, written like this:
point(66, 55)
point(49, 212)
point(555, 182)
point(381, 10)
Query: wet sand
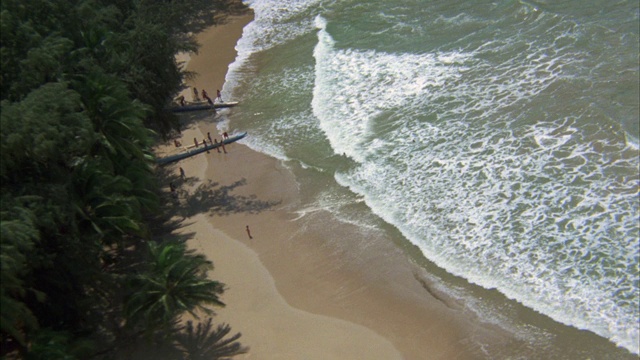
point(305, 286)
point(270, 327)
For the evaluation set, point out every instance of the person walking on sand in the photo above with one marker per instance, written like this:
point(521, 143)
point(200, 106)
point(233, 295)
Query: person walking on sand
point(182, 174)
point(219, 96)
point(195, 94)
point(225, 135)
point(223, 149)
point(215, 141)
point(249, 232)
point(209, 136)
point(195, 141)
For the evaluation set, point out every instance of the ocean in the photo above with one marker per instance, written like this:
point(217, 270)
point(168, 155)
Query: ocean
point(498, 137)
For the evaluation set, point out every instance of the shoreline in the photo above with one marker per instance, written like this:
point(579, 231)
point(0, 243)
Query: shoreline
point(270, 327)
point(314, 276)
point(320, 305)
point(293, 290)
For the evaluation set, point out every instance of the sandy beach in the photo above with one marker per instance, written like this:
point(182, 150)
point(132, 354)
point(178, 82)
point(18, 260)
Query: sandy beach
point(270, 327)
point(294, 290)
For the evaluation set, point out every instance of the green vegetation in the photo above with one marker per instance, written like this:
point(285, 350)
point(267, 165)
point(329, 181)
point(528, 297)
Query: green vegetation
point(84, 84)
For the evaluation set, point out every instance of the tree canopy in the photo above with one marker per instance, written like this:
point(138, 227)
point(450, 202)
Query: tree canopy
point(83, 90)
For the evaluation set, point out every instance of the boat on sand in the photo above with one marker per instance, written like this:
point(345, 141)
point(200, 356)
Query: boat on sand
point(198, 150)
point(201, 105)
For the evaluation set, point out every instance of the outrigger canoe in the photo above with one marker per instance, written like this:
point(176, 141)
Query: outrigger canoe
point(197, 150)
point(225, 104)
point(202, 106)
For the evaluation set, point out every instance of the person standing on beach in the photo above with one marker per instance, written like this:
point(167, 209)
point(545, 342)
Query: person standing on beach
point(223, 149)
point(249, 232)
point(215, 141)
point(219, 95)
point(209, 136)
point(225, 135)
point(195, 141)
point(182, 174)
point(206, 97)
point(173, 190)
point(195, 94)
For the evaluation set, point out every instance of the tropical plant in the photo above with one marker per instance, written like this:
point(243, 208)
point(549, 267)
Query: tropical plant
point(17, 238)
point(48, 344)
point(82, 82)
point(174, 282)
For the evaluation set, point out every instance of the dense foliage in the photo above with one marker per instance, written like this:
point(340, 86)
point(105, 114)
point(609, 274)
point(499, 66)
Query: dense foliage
point(83, 88)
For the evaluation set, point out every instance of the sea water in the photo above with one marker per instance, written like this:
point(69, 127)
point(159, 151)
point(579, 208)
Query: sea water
point(500, 137)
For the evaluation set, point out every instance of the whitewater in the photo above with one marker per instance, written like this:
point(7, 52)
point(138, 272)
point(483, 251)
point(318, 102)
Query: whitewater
point(499, 138)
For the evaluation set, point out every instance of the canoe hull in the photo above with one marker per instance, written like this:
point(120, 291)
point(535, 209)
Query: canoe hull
point(198, 150)
point(202, 106)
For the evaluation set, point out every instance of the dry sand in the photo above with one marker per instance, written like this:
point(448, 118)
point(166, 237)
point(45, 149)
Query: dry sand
point(270, 327)
point(293, 292)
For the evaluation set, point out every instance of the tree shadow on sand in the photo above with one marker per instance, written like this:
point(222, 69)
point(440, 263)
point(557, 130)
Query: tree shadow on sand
point(213, 199)
point(188, 342)
point(204, 342)
point(191, 119)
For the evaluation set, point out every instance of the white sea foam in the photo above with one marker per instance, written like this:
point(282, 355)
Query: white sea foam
point(353, 88)
point(534, 202)
point(274, 24)
point(337, 204)
point(504, 192)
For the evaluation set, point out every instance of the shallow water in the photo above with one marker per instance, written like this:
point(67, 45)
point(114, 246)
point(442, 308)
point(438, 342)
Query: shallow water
point(498, 137)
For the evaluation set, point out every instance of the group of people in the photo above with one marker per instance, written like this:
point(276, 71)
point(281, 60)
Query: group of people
point(205, 95)
point(213, 142)
point(196, 97)
point(196, 143)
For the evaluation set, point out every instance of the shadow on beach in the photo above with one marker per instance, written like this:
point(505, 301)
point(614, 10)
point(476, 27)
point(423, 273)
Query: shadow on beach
point(188, 120)
point(218, 200)
point(209, 197)
point(198, 338)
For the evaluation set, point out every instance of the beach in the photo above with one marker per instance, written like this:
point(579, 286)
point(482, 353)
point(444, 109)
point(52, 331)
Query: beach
point(302, 285)
point(270, 327)
point(290, 294)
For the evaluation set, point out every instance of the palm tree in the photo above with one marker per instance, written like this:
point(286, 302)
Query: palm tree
point(116, 119)
point(174, 283)
point(103, 201)
point(17, 236)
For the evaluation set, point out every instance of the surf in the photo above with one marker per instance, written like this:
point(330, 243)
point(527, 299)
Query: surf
point(485, 148)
